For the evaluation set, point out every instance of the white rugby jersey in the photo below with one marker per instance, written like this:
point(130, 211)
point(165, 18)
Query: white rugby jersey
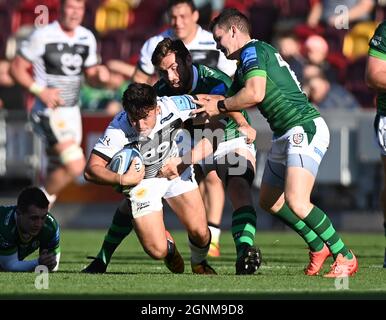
point(166, 140)
point(59, 60)
point(202, 48)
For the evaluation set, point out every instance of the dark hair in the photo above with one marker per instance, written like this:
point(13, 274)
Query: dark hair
point(138, 100)
point(167, 46)
point(31, 196)
point(190, 3)
point(229, 17)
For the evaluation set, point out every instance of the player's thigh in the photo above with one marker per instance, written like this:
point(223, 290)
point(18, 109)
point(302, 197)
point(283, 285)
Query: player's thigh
point(235, 158)
point(150, 230)
point(190, 210)
point(271, 197)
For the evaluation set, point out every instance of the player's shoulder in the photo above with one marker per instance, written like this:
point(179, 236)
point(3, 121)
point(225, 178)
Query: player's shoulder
point(205, 37)
point(381, 28)
point(121, 124)
point(84, 33)
point(7, 221)
point(208, 72)
point(51, 224)
point(45, 31)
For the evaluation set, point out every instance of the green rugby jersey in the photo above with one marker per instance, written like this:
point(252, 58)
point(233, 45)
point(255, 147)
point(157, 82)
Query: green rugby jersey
point(378, 50)
point(10, 242)
point(207, 81)
point(284, 105)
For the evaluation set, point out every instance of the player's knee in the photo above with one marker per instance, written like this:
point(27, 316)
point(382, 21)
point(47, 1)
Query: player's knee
point(157, 251)
point(298, 206)
point(73, 159)
point(267, 204)
point(239, 191)
point(200, 235)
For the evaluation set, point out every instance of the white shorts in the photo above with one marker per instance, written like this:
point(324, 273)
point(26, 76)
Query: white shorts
point(146, 197)
point(302, 146)
point(57, 125)
point(380, 132)
point(296, 142)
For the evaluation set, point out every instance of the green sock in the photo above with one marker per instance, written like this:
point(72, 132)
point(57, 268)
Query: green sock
point(243, 228)
point(318, 221)
point(120, 227)
point(286, 215)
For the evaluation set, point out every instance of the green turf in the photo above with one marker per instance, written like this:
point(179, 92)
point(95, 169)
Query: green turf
point(132, 274)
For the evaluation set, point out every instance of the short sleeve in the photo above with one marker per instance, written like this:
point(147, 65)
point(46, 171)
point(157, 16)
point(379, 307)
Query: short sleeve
point(378, 43)
point(34, 47)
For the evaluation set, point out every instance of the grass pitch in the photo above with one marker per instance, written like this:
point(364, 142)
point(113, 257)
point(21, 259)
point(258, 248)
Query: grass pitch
point(134, 275)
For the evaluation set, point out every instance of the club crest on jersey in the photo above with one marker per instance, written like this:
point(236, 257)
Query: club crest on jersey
point(298, 138)
point(376, 41)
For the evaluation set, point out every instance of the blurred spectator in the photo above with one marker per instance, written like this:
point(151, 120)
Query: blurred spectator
point(107, 99)
point(290, 49)
point(208, 10)
point(11, 94)
point(329, 96)
point(316, 52)
point(330, 13)
point(183, 19)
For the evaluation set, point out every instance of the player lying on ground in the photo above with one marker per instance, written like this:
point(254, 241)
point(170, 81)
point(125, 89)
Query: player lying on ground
point(26, 227)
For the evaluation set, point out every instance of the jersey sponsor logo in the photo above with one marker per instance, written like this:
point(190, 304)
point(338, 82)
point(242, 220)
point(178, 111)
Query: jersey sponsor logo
point(106, 140)
point(249, 57)
point(206, 42)
point(168, 117)
point(71, 63)
point(142, 205)
point(376, 41)
point(298, 138)
point(156, 154)
point(63, 59)
point(183, 103)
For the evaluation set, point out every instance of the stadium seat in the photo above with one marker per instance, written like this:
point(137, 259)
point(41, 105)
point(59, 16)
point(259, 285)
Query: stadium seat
point(113, 15)
point(356, 41)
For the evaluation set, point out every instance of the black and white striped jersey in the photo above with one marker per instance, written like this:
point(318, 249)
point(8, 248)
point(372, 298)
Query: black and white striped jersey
point(166, 140)
point(59, 60)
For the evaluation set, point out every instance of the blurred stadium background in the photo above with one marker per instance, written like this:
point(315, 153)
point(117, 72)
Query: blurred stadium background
point(349, 180)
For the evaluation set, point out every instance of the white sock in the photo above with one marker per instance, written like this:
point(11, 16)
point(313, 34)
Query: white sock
point(216, 232)
point(197, 254)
